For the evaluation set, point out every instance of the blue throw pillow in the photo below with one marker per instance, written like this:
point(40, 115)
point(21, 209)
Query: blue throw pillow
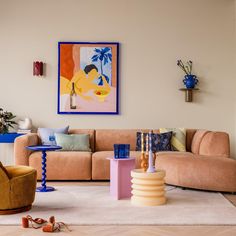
point(47, 135)
point(160, 142)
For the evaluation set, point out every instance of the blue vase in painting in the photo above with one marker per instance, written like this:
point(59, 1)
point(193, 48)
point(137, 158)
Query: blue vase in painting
point(100, 81)
point(190, 81)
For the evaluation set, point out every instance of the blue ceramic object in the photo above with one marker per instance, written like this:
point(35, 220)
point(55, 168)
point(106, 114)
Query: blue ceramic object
point(121, 150)
point(190, 81)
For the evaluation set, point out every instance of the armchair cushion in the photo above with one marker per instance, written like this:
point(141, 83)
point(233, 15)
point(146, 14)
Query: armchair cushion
point(19, 191)
point(3, 172)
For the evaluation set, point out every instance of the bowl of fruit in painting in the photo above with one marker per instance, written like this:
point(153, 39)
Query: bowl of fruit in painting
point(101, 94)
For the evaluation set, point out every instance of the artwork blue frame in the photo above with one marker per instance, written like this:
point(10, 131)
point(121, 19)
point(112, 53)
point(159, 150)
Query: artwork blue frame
point(88, 78)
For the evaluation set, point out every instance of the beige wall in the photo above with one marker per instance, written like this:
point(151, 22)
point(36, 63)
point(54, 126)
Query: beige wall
point(234, 144)
point(153, 35)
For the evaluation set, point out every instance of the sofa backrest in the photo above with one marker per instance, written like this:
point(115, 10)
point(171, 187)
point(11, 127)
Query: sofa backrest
point(202, 142)
point(106, 138)
point(91, 133)
point(189, 138)
point(211, 143)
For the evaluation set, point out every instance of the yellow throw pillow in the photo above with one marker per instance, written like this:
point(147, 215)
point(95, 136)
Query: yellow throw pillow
point(178, 140)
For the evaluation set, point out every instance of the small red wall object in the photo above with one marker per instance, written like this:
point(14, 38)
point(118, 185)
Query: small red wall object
point(38, 68)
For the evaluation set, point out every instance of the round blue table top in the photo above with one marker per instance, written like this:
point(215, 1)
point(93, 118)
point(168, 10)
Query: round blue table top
point(44, 148)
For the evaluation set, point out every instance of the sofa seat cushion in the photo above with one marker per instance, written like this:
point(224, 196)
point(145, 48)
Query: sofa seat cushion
point(101, 165)
point(175, 153)
point(63, 165)
point(200, 172)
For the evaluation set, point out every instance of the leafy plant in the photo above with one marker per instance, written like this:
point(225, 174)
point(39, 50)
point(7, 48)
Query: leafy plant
point(6, 121)
point(186, 67)
point(103, 55)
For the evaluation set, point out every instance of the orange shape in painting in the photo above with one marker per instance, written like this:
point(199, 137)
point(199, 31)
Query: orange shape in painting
point(66, 61)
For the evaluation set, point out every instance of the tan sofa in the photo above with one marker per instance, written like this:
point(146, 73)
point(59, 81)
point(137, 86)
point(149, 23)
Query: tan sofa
point(205, 165)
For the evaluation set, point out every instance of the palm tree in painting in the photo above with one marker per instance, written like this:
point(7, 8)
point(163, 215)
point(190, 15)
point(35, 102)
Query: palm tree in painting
point(104, 56)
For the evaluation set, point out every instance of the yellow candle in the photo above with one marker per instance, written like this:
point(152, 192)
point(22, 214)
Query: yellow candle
point(142, 143)
point(146, 142)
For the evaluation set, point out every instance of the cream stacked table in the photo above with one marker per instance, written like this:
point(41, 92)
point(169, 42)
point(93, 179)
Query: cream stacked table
point(148, 189)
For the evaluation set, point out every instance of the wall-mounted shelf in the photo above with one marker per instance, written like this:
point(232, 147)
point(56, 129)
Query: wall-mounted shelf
point(189, 93)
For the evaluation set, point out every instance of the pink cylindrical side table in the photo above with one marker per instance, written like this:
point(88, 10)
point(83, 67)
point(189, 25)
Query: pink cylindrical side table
point(120, 177)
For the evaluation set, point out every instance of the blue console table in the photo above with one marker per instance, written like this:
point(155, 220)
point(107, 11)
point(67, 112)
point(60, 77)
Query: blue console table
point(9, 137)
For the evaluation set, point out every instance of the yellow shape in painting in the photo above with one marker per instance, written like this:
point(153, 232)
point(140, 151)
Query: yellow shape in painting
point(65, 85)
point(84, 83)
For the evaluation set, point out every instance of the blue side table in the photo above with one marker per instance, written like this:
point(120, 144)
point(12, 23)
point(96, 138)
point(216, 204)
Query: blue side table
point(44, 149)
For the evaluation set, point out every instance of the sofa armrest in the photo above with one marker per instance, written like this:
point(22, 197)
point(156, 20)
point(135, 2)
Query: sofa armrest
point(215, 144)
point(21, 154)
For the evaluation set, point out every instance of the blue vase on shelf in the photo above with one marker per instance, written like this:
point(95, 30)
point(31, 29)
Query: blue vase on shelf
point(190, 81)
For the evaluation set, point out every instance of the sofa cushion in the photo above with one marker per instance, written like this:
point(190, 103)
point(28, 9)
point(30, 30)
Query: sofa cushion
point(200, 172)
point(105, 139)
point(215, 144)
point(91, 133)
point(73, 142)
point(47, 133)
point(178, 140)
point(189, 137)
point(160, 142)
point(63, 165)
point(175, 154)
point(101, 165)
point(197, 139)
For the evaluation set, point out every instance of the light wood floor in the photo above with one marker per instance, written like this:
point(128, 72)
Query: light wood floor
point(127, 230)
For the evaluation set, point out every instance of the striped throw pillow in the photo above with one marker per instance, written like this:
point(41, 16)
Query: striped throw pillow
point(178, 140)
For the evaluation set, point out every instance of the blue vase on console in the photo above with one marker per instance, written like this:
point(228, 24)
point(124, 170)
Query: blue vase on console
point(190, 81)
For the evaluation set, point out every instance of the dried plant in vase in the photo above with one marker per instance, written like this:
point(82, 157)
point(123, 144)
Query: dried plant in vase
point(190, 80)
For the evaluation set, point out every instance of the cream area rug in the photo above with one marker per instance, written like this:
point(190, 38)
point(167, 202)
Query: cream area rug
point(92, 205)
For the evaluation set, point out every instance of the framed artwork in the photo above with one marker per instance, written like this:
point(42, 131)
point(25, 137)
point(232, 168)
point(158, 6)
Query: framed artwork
point(88, 78)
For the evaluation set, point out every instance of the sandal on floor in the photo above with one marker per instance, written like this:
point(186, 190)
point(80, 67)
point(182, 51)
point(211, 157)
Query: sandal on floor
point(35, 223)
